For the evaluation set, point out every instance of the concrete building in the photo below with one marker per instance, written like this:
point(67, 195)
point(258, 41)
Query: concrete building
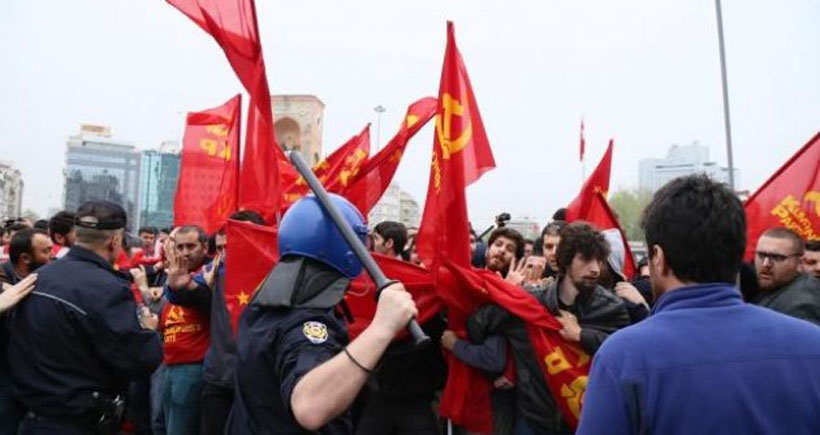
point(396, 205)
point(409, 210)
point(158, 184)
point(681, 160)
point(298, 122)
point(527, 226)
point(11, 192)
point(99, 166)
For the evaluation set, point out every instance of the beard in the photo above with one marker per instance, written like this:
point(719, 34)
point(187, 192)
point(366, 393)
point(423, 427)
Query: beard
point(586, 285)
point(34, 265)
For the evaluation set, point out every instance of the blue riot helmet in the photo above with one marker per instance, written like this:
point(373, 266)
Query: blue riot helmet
point(307, 230)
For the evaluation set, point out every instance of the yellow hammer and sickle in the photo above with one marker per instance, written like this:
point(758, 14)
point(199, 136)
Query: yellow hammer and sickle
point(813, 196)
point(450, 145)
point(412, 120)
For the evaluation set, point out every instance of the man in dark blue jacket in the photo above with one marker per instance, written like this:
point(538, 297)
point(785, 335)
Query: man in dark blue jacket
point(703, 362)
point(78, 339)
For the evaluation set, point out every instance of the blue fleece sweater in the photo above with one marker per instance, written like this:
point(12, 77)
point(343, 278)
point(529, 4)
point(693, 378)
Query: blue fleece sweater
point(706, 363)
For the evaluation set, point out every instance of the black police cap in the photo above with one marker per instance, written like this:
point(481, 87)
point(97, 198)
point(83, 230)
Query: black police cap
point(100, 215)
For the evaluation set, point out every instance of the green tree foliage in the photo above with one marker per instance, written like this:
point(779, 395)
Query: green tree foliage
point(628, 204)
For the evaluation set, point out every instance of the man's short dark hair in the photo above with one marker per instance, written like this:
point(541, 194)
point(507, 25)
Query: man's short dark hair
point(41, 224)
point(248, 216)
point(786, 234)
point(21, 243)
point(61, 223)
point(560, 214)
point(812, 245)
point(395, 231)
point(701, 227)
point(553, 228)
point(580, 238)
point(148, 229)
point(511, 234)
point(201, 236)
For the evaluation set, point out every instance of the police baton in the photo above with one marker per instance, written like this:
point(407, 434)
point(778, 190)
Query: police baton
point(358, 247)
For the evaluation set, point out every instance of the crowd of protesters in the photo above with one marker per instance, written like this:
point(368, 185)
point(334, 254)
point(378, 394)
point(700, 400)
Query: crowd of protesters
point(709, 343)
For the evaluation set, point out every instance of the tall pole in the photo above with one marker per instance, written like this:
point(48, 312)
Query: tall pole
point(726, 121)
point(379, 110)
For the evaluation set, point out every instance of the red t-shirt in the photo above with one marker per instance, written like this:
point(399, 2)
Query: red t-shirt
point(185, 331)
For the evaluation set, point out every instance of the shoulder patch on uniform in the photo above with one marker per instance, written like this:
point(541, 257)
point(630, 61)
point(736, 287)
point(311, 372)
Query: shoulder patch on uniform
point(316, 332)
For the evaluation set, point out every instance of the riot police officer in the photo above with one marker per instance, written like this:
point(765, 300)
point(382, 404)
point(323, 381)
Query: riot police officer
point(296, 371)
point(78, 338)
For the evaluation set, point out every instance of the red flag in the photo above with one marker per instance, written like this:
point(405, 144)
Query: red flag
point(375, 176)
point(337, 169)
point(209, 167)
point(790, 198)
point(461, 154)
point(254, 250)
point(598, 181)
point(233, 25)
point(600, 215)
point(583, 142)
point(361, 297)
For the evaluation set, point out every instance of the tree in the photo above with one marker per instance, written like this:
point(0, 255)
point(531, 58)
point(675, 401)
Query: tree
point(629, 205)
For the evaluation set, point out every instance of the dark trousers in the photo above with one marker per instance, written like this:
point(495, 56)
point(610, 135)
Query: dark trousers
point(383, 416)
point(216, 405)
point(138, 411)
point(10, 411)
point(36, 425)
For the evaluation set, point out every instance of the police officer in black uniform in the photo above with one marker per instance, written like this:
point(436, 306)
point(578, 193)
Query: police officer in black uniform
point(296, 371)
point(78, 338)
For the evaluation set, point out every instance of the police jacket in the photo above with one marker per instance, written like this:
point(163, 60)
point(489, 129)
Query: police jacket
point(75, 334)
point(289, 328)
point(599, 313)
point(799, 298)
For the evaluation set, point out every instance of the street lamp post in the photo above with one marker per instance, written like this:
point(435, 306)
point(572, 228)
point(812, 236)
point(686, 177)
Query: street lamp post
point(379, 110)
point(726, 122)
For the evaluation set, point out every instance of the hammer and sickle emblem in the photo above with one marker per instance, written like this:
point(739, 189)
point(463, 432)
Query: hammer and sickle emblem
point(444, 126)
point(813, 196)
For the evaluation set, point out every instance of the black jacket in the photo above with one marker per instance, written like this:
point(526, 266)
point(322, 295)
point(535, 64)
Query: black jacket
point(77, 333)
point(599, 313)
point(800, 298)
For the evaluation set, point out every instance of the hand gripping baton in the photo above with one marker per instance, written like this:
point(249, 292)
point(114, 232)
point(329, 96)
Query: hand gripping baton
point(358, 247)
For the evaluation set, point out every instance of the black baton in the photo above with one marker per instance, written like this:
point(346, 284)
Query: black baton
point(358, 247)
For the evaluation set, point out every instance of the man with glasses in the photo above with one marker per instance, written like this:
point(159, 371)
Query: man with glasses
point(783, 288)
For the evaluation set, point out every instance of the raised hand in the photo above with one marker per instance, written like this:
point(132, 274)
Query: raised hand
point(14, 294)
point(515, 273)
point(177, 267)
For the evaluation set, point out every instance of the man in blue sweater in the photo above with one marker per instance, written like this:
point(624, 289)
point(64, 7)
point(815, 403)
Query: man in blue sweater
point(703, 362)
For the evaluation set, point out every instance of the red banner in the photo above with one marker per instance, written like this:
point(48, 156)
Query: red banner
point(461, 154)
point(600, 215)
point(254, 249)
point(233, 25)
point(598, 181)
point(790, 198)
point(209, 167)
point(337, 170)
point(370, 183)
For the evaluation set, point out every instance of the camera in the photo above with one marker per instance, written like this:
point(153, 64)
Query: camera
point(502, 219)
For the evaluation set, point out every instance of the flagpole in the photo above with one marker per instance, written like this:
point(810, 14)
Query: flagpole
point(726, 122)
point(379, 109)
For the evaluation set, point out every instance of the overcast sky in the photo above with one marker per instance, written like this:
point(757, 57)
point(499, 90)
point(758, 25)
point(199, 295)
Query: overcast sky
point(644, 72)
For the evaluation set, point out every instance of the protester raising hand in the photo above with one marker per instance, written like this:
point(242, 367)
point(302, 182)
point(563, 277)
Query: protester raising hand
point(177, 267)
point(516, 272)
point(14, 294)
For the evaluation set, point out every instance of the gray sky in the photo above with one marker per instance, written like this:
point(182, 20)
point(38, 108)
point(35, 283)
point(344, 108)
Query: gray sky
point(644, 72)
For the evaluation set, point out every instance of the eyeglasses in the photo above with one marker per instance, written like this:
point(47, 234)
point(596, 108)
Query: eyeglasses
point(774, 257)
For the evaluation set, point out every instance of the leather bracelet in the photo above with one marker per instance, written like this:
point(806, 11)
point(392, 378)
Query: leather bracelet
point(358, 364)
